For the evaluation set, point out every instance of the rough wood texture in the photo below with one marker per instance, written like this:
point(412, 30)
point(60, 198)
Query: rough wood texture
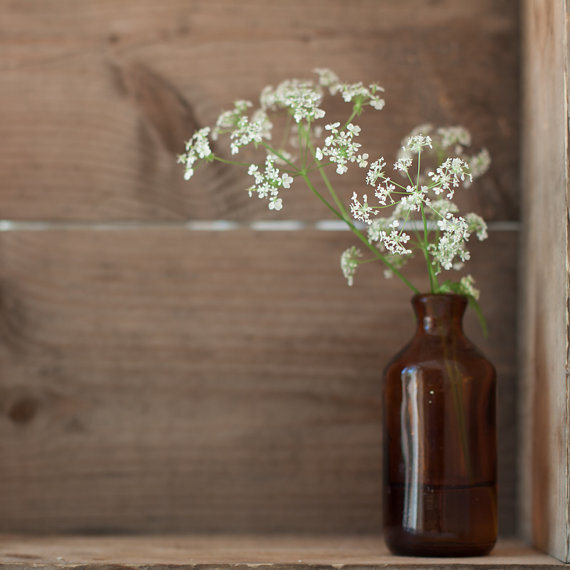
point(544, 331)
point(166, 380)
point(244, 552)
point(97, 97)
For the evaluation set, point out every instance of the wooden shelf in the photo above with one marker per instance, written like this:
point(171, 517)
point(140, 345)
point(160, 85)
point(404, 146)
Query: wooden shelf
point(243, 552)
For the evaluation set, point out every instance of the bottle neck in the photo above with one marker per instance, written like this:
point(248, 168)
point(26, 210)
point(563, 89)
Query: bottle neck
point(440, 314)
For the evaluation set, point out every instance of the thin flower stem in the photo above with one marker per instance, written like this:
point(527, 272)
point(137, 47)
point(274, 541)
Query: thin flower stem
point(279, 155)
point(358, 234)
point(405, 190)
point(432, 277)
point(226, 161)
point(326, 180)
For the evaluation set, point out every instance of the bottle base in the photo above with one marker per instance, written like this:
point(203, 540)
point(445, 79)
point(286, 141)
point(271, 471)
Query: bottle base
point(406, 544)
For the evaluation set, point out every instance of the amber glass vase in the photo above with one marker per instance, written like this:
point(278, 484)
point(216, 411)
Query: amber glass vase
point(440, 486)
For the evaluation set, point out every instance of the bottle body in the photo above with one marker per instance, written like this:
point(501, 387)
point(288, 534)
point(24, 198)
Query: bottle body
point(440, 488)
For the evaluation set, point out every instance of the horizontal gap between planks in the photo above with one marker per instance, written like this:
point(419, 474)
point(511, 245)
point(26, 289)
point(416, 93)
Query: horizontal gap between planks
point(210, 225)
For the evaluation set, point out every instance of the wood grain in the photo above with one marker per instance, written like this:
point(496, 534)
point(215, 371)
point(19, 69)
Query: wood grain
point(171, 381)
point(97, 98)
point(245, 552)
point(544, 332)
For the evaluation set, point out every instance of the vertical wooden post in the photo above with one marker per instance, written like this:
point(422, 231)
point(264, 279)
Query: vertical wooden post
point(544, 485)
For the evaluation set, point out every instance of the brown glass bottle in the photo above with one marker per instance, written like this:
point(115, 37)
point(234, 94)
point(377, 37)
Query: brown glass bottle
point(440, 487)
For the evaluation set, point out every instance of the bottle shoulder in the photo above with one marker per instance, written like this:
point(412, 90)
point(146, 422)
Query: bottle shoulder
point(427, 351)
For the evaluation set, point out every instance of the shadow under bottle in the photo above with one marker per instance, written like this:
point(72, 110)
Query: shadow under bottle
point(440, 476)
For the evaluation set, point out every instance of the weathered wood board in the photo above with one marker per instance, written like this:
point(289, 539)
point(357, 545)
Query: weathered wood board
point(159, 379)
point(166, 380)
point(248, 552)
point(97, 98)
point(544, 442)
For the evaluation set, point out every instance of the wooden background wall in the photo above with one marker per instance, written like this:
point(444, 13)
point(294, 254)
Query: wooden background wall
point(545, 331)
point(160, 377)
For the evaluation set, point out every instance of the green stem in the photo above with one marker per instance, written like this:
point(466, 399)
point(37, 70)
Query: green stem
point(434, 286)
point(334, 196)
point(357, 232)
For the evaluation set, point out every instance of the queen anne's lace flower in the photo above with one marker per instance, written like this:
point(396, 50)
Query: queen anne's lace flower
point(328, 79)
point(416, 143)
point(454, 137)
point(361, 210)
point(300, 98)
point(401, 218)
point(479, 164)
point(361, 95)
point(229, 119)
point(476, 224)
point(467, 287)
point(340, 147)
point(198, 147)
point(349, 263)
point(451, 244)
point(248, 131)
point(414, 199)
point(403, 164)
point(268, 182)
point(448, 176)
point(375, 171)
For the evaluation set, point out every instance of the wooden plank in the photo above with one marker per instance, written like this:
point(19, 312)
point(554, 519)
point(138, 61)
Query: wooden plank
point(97, 98)
point(544, 331)
point(247, 552)
point(167, 380)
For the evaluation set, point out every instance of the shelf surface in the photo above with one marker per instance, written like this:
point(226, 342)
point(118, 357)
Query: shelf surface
point(241, 552)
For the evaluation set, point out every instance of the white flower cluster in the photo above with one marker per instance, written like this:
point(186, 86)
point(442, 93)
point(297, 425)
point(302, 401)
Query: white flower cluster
point(419, 201)
point(197, 148)
point(300, 98)
point(479, 164)
point(349, 263)
point(456, 137)
point(467, 287)
point(248, 131)
point(455, 140)
point(448, 176)
point(328, 79)
point(340, 147)
point(432, 162)
point(362, 95)
point(229, 119)
point(268, 182)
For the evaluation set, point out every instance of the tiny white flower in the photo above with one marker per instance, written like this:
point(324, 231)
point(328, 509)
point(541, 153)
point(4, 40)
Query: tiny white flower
point(275, 203)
